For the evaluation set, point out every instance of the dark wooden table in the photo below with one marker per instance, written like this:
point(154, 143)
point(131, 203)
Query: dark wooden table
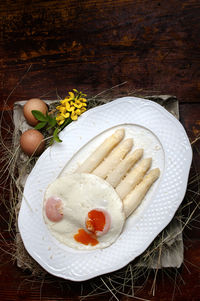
point(49, 47)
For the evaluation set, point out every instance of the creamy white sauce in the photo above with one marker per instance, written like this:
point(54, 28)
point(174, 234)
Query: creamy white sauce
point(80, 193)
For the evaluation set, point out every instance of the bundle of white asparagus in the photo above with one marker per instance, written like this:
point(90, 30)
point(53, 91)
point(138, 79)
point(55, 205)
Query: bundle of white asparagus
point(113, 162)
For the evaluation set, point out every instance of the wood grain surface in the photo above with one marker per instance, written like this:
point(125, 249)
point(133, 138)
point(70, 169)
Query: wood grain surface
point(49, 47)
point(94, 45)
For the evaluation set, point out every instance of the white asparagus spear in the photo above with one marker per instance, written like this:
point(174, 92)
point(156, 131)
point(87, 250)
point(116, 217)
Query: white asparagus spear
point(123, 167)
point(135, 197)
point(101, 152)
point(133, 178)
point(113, 158)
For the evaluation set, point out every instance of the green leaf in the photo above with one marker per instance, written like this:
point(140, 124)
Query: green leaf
point(57, 139)
point(38, 115)
point(52, 122)
point(50, 126)
point(55, 135)
point(66, 122)
point(40, 125)
point(48, 116)
point(51, 141)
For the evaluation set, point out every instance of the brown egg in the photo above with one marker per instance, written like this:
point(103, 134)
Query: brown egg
point(34, 104)
point(32, 142)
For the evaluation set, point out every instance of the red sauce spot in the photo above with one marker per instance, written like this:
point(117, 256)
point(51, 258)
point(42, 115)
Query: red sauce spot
point(96, 221)
point(85, 238)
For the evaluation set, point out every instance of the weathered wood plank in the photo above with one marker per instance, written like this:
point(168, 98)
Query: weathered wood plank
point(95, 45)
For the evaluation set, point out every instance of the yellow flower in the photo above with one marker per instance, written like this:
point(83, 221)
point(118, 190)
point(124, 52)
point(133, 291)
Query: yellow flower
point(60, 119)
point(78, 112)
point(83, 110)
point(64, 101)
point(74, 116)
point(62, 109)
point(71, 95)
point(78, 104)
point(83, 99)
point(71, 107)
point(66, 115)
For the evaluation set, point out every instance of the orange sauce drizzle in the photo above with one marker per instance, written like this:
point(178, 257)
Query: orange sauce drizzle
point(85, 238)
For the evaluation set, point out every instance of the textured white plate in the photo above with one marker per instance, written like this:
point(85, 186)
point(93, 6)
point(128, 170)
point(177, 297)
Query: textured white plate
point(153, 128)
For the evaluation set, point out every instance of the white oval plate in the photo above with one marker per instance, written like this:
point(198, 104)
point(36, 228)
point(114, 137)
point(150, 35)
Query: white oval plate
point(162, 136)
